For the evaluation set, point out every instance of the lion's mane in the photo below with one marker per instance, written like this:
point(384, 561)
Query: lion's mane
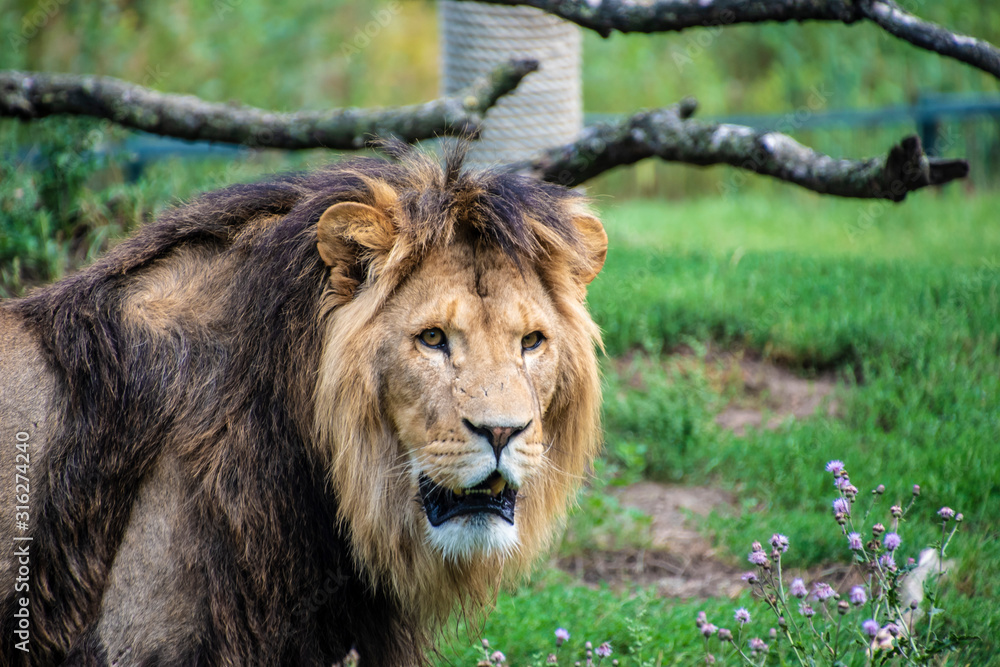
point(284, 450)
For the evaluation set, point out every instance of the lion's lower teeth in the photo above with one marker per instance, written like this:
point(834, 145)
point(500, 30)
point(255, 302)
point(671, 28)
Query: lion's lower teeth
point(495, 489)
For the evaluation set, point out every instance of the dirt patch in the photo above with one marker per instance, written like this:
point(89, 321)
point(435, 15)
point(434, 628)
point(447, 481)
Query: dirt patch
point(771, 394)
point(759, 392)
point(679, 561)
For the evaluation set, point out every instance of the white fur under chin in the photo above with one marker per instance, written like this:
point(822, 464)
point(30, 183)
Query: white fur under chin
point(466, 537)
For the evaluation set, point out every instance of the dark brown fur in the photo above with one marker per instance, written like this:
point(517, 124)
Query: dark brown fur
point(213, 408)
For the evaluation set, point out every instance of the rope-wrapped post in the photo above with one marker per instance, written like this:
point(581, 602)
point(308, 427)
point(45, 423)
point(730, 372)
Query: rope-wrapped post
point(546, 109)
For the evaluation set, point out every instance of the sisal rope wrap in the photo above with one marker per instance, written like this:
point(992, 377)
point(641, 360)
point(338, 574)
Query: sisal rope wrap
point(546, 109)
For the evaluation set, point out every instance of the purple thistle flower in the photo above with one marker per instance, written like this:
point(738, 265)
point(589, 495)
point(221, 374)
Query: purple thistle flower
point(725, 635)
point(870, 627)
point(946, 513)
point(757, 644)
point(823, 591)
point(841, 506)
point(798, 588)
point(842, 482)
point(604, 650)
point(887, 562)
point(742, 616)
point(854, 541)
point(806, 610)
point(858, 596)
point(749, 577)
point(758, 558)
point(891, 541)
point(780, 542)
point(562, 634)
point(498, 658)
point(896, 511)
point(708, 629)
point(835, 467)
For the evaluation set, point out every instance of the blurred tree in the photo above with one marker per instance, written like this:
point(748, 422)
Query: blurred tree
point(667, 133)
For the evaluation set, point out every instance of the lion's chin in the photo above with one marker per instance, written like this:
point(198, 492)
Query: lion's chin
point(473, 536)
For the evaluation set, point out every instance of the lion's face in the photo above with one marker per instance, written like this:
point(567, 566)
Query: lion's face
point(458, 396)
point(472, 358)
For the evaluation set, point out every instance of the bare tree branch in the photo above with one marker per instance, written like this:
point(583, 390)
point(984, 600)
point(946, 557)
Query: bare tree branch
point(607, 16)
point(672, 135)
point(29, 95)
point(933, 37)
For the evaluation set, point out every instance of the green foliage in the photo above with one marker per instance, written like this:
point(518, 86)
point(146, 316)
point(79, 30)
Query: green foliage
point(644, 630)
point(40, 206)
point(659, 415)
point(66, 196)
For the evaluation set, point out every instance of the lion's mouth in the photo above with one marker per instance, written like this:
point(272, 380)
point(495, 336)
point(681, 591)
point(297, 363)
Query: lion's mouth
point(493, 495)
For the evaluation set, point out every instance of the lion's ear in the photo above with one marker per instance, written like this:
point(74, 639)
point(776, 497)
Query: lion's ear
point(349, 223)
point(595, 246)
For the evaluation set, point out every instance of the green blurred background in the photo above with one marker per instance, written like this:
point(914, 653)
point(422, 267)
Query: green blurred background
point(266, 54)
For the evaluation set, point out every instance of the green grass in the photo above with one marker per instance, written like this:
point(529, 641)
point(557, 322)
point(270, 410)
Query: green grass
point(907, 312)
point(639, 624)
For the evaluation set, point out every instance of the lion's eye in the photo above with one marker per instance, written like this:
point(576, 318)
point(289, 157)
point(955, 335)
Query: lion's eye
point(433, 338)
point(532, 340)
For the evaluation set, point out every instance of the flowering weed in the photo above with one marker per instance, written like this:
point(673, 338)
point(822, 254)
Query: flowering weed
point(877, 622)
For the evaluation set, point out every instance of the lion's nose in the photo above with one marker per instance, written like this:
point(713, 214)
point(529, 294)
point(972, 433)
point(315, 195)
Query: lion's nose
point(497, 436)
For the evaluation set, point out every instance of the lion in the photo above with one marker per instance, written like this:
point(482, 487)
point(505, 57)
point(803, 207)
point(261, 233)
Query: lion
point(299, 417)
